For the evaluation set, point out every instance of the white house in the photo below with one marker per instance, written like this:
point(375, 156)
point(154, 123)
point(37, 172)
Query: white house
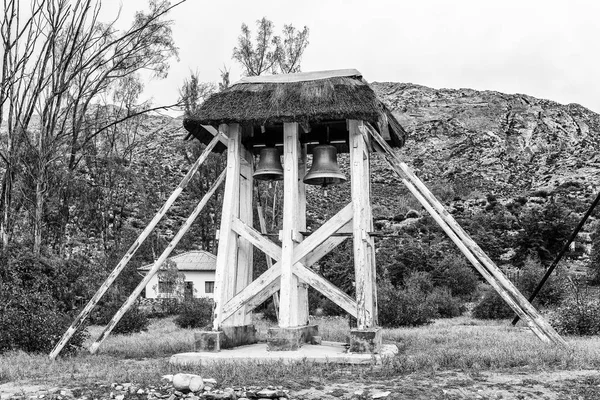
point(198, 269)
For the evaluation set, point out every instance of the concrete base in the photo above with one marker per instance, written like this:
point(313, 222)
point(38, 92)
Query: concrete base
point(207, 341)
point(285, 339)
point(327, 352)
point(365, 340)
point(227, 337)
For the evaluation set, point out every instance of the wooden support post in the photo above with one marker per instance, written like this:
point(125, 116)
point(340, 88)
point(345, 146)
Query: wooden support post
point(263, 230)
point(245, 249)
point(470, 249)
point(288, 302)
point(121, 265)
point(227, 250)
point(301, 227)
point(366, 295)
point(156, 267)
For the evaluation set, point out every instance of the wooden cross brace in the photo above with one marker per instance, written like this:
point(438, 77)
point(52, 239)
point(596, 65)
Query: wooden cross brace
point(306, 253)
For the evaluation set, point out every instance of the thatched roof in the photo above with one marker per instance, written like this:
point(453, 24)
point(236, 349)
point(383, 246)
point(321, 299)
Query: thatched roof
point(307, 98)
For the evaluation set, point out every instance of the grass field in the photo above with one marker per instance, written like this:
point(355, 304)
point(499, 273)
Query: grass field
point(462, 343)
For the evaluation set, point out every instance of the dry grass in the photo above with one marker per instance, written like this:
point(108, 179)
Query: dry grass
point(468, 344)
point(162, 339)
point(460, 343)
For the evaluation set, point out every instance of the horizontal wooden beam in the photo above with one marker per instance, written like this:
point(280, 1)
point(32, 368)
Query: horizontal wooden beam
point(257, 239)
point(330, 291)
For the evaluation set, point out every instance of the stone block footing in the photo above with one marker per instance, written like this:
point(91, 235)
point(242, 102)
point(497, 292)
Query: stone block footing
point(284, 339)
point(226, 338)
point(365, 340)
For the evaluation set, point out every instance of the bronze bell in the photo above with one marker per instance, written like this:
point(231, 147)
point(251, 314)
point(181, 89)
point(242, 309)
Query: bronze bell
point(324, 170)
point(269, 165)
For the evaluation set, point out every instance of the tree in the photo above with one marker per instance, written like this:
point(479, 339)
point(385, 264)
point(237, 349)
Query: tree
point(57, 65)
point(193, 93)
point(269, 53)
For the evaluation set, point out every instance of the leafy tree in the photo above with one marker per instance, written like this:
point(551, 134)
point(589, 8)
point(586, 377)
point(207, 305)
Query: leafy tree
point(269, 52)
point(193, 93)
point(58, 63)
point(454, 273)
point(594, 262)
point(544, 231)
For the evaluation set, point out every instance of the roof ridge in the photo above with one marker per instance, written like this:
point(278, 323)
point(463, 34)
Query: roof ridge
point(300, 76)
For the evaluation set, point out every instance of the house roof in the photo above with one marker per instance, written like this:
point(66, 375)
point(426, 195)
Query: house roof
point(197, 260)
point(309, 98)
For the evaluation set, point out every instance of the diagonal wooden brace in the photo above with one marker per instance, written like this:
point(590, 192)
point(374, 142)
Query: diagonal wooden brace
point(257, 239)
point(327, 288)
point(309, 250)
point(319, 236)
point(134, 247)
point(470, 249)
point(253, 289)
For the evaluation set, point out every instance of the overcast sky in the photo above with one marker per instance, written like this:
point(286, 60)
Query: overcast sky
point(547, 49)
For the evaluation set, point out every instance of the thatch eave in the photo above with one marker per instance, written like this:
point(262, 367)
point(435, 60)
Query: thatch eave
point(308, 98)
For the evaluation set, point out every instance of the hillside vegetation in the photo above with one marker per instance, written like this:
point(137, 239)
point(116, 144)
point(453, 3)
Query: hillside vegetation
point(517, 172)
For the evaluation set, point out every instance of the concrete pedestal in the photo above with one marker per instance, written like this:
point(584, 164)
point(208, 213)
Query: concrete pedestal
point(284, 339)
point(228, 337)
point(365, 340)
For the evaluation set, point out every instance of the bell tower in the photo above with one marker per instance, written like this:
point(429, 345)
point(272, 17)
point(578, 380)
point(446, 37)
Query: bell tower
point(322, 113)
point(235, 292)
point(283, 119)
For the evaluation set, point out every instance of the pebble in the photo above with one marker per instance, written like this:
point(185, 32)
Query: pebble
point(162, 391)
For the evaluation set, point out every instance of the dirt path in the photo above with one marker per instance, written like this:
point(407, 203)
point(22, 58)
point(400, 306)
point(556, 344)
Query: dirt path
point(556, 385)
point(450, 385)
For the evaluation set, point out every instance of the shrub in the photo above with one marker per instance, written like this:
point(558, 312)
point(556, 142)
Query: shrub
point(103, 313)
point(403, 307)
point(133, 321)
point(419, 281)
point(594, 263)
point(531, 274)
point(412, 214)
point(492, 199)
point(31, 321)
point(445, 305)
point(579, 314)
point(492, 306)
point(164, 307)
point(195, 313)
point(456, 274)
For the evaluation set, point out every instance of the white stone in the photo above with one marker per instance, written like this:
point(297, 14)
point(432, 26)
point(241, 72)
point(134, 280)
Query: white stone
point(188, 382)
point(380, 395)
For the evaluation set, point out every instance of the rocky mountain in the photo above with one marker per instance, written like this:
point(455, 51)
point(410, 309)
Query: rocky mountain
point(467, 145)
point(506, 144)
